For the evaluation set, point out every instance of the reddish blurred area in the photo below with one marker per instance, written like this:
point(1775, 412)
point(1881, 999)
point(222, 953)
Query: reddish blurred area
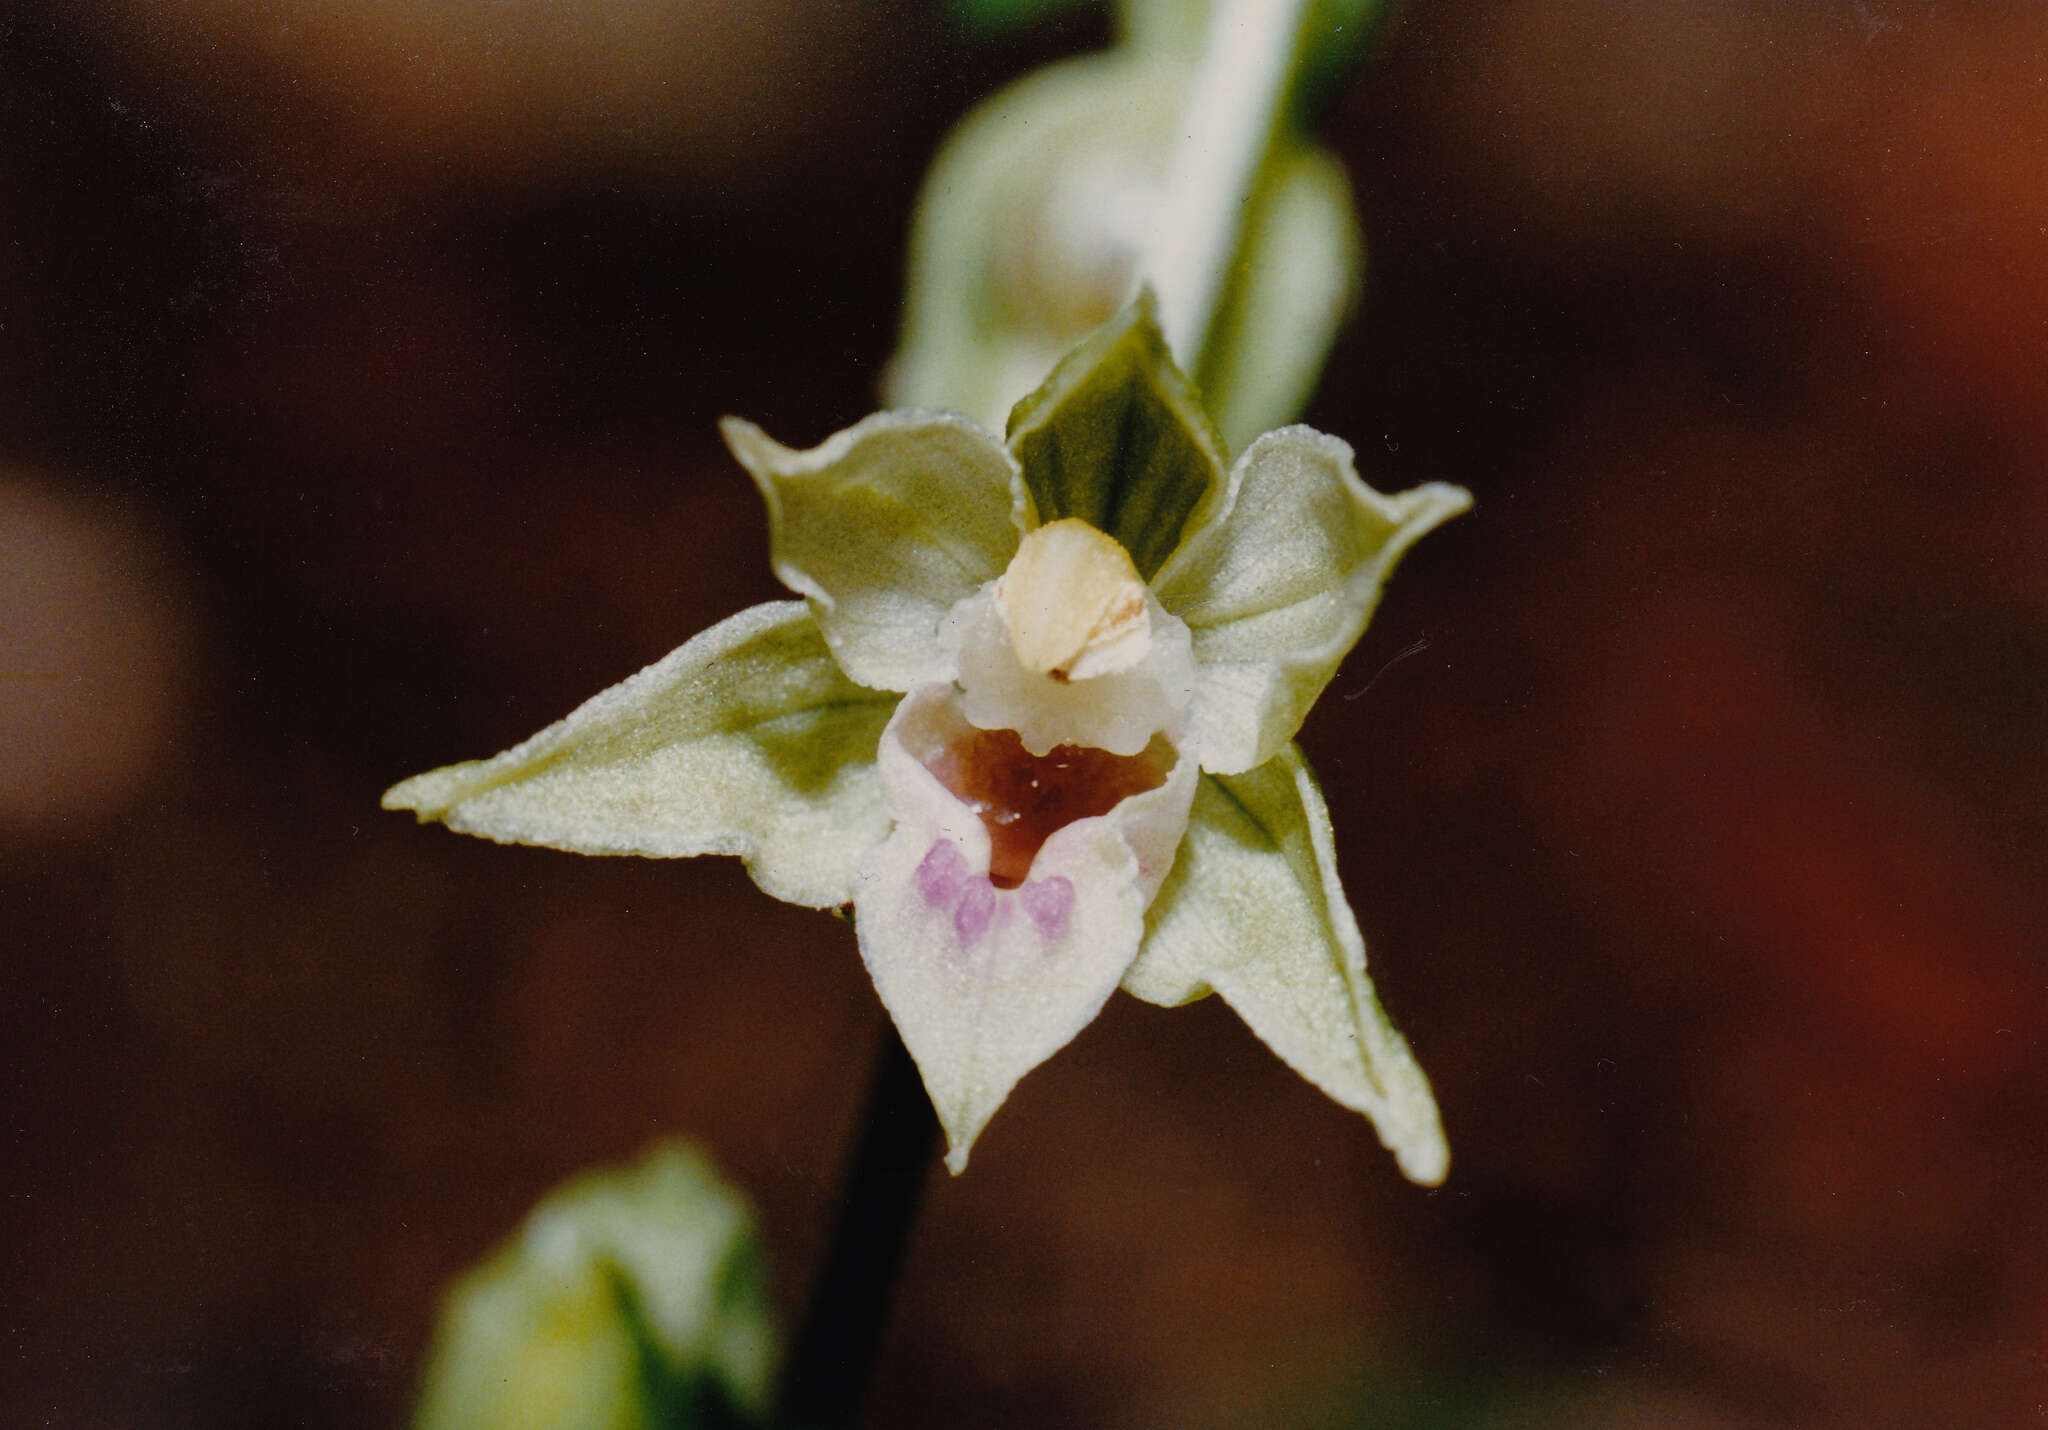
point(359, 384)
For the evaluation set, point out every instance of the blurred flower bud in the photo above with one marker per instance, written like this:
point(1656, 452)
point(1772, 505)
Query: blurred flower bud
point(1028, 232)
point(632, 1297)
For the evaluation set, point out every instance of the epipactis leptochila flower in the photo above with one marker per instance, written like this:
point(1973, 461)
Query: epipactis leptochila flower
point(1033, 720)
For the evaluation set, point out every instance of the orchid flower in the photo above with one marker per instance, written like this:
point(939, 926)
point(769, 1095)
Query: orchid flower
point(1032, 720)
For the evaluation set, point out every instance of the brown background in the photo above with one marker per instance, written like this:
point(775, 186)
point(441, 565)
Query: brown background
point(358, 372)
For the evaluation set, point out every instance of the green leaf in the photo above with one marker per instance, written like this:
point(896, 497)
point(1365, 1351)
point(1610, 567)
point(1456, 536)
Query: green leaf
point(1253, 911)
point(1117, 437)
point(1277, 587)
point(629, 1300)
point(746, 740)
point(885, 526)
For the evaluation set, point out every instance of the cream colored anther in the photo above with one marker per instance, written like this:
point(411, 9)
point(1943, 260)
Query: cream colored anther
point(1073, 603)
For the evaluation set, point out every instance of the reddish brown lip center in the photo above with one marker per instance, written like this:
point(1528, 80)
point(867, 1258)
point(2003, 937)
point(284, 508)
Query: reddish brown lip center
point(1024, 799)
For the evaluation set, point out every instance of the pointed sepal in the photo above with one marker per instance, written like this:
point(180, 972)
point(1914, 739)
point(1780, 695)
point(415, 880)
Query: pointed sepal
point(1253, 911)
point(1117, 438)
point(746, 740)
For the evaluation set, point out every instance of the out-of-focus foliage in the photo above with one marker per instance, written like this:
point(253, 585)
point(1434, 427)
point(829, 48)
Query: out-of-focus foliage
point(995, 17)
point(1029, 228)
point(1341, 32)
point(631, 1298)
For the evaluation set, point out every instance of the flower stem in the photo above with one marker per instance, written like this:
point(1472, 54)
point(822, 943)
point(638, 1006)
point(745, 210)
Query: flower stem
point(1250, 57)
point(827, 1373)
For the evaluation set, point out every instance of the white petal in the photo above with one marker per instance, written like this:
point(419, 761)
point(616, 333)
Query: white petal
point(885, 526)
point(1277, 588)
point(985, 983)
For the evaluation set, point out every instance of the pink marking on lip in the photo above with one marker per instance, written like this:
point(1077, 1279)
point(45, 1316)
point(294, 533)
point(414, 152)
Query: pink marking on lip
point(977, 907)
point(1049, 902)
point(941, 873)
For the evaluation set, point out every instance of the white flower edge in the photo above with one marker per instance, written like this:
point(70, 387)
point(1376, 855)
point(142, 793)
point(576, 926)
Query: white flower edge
point(1254, 911)
point(884, 527)
point(745, 740)
point(1278, 585)
point(983, 983)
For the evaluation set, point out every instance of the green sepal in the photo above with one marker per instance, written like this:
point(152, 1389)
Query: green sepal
point(1254, 911)
point(1117, 437)
point(746, 740)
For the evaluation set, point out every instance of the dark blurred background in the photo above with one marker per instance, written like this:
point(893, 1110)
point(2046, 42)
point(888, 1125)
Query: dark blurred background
point(358, 373)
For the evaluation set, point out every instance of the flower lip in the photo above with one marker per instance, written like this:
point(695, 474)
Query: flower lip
point(1024, 799)
point(987, 982)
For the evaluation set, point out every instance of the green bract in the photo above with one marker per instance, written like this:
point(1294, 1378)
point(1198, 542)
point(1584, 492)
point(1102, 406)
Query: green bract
point(627, 1294)
point(1023, 825)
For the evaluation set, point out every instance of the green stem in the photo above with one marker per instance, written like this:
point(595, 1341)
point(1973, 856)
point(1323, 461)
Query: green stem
point(826, 1376)
point(1235, 106)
